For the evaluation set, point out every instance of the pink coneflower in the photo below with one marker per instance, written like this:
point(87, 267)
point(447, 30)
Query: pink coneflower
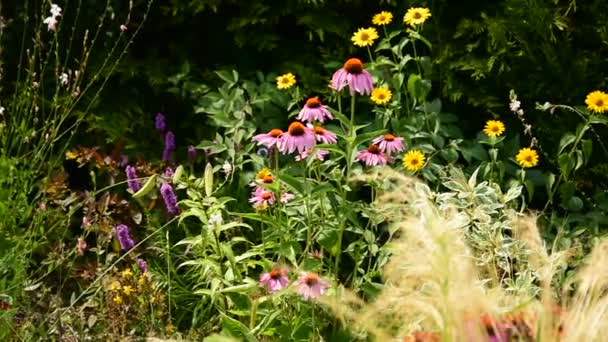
point(262, 197)
point(298, 137)
point(286, 197)
point(275, 280)
point(389, 143)
point(373, 156)
point(269, 139)
point(354, 76)
point(318, 154)
point(314, 110)
point(324, 136)
point(310, 286)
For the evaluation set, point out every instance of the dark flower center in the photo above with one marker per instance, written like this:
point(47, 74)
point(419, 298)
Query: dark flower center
point(389, 137)
point(268, 179)
point(285, 80)
point(319, 130)
point(313, 102)
point(414, 161)
point(417, 15)
point(528, 158)
point(364, 36)
point(266, 196)
point(353, 66)
point(599, 103)
point(373, 148)
point(311, 280)
point(381, 18)
point(296, 129)
point(494, 128)
point(276, 274)
point(275, 133)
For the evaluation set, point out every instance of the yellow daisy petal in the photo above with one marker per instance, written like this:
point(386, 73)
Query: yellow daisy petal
point(382, 18)
point(286, 81)
point(494, 128)
point(527, 157)
point(381, 96)
point(416, 16)
point(413, 160)
point(365, 37)
point(597, 101)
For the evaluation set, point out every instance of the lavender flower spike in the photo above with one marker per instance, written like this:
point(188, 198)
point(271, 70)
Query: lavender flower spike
point(124, 237)
point(169, 146)
point(132, 178)
point(143, 266)
point(160, 123)
point(170, 199)
point(191, 153)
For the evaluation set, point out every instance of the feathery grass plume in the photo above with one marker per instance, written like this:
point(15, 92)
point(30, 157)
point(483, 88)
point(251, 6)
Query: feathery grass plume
point(586, 318)
point(431, 282)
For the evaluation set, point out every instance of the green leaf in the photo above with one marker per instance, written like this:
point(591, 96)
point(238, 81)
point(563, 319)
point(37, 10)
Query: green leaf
point(292, 182)
point(587, 149)
point(566, 140)
point(237, 329)
point(367, 136)
point(178, 174)
point(566, 164)
point(149, 186)
point(208, 180)
point(328, 238)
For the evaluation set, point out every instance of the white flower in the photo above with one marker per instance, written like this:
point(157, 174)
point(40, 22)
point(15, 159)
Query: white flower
point(216, 219)
point(51, 23)
point(514, 105)
point(123, 28)
point(1, 110)
point(55, 10)
point(63, 79)
point(227, 168)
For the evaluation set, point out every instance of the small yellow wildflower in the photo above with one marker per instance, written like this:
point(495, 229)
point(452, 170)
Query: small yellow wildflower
point(416, 16)
point(494, 128)
point(115, 286)
point(413, 160)
point(527, 157)
point(597, 101)
point(127, 273)
point(118, 300)
point(382, 18)
point(381, 96)
point(262, 173)
point(128, 290)
point(286, 81)
point(365, 37)
point(71, 155)
point(141, 281)
point(169, 329)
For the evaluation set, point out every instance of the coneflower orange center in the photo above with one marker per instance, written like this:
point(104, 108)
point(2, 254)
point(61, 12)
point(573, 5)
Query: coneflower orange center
point(275, 274)
point(266, 196)
point(319, 130)
point(268, 179)
point(373, 148)
point(353, 66)
point(296, 129)
point(313, 102)
point(275, 133)
point(311, 279)
point(389, 137)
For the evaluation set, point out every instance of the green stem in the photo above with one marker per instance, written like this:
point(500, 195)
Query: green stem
point(369, 53)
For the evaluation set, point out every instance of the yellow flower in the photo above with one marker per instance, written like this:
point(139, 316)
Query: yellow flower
point(527, 157)
point(416, 16)
point(115, 286)
point(71, 155)
point(413, 160)
point(127, 273)
point(382, 18)
point(127, 290)
point(286, 81)
point(118, 300)
point(169, 329)
point(494, 128)
point(597, 101)
point(263, 173)
point(381, 96)
point(141, 281)
point(365, 37)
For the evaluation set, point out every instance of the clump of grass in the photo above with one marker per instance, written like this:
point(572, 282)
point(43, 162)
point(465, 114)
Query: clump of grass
point(433, 284)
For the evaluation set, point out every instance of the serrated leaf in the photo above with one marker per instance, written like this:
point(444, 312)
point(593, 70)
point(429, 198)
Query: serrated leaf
point(148, 186)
